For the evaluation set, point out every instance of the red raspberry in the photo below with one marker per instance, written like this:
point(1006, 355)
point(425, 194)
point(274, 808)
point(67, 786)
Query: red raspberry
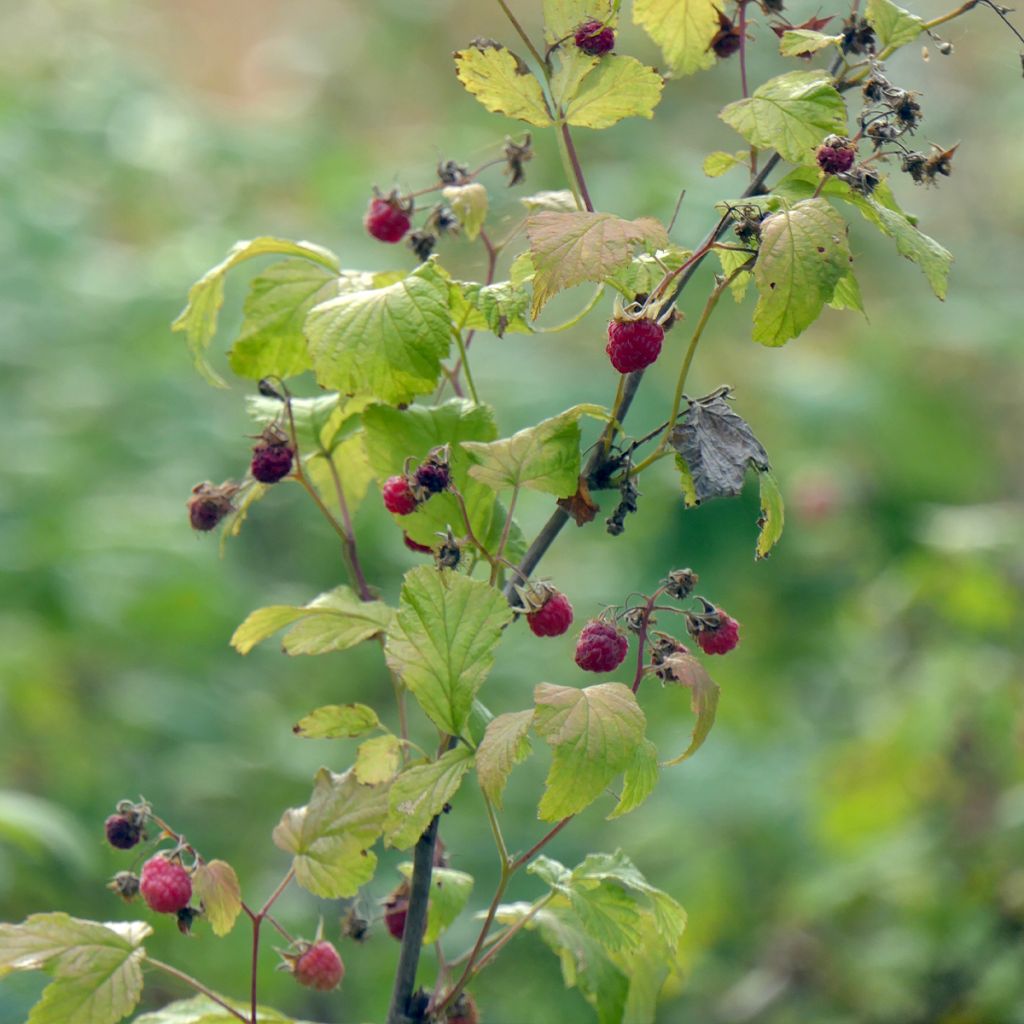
point(165, 885)
point(398, 496)
point(412, 545)
point(600, 647)
point(633, 344)
point(594, 38)
point(271, 462)
point(433, 477)
point(721, 636)
point(319, 967)
point(837, 158)
point(386, 220)
point(396, 906)
point(553, 617)
point(122, 831)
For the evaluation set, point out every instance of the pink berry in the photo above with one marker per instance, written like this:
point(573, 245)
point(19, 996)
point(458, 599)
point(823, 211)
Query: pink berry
point(398, 496)
point(594, 38)
point(600, 647)
point(720, 637)
point(319, 967)
point(553, 617)
point(122, 831)
point(165, 885)
point(271, 462)
point(386, 221)
point(633, 344)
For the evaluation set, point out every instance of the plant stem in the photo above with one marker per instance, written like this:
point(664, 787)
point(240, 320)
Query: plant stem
point(365, 593)
point(510, 934)
point(496, 563)
point(198, 986)
point(464, 364)
point(522, 34)
point(257, 920)
point(574, 162)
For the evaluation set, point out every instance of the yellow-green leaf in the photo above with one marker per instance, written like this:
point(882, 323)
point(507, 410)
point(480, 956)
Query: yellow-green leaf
point(798, 41)
point(772, 515)
point(421, 792)
point(504, 745)
point(686, 670)
point(717, 163)
point(469, 203)
point(379, 759)
point(639, 780)
point(893, 25)
point(216, 885)
point(337, 721)
point(502, 83)
point(683, 29)
point(617, 87)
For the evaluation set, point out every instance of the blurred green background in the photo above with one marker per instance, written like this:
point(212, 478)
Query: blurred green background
point(849, 844)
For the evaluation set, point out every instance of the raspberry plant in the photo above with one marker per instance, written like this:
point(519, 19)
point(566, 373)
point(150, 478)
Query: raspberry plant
point(376, 351)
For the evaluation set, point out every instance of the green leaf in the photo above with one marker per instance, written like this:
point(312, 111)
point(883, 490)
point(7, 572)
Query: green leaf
point(595, 732)
point(686, 484)
point(772, 515)
point(199, 317)
point(352, 465)
point(733, 259)
point(791, 113)
point(544, 458)
point(317, 420)
point(421, 792)
point(330, 837)
point(334, 621)
point(717, 163)
point(933, 259)
point(893, 26)
point(639, 780)
point(216, 885)
point(96, 968)
point(499, 308)
point(804, 252)
point(556, 201)
point(796, 42)
point(617, 87)
point(449, 894)
point(644, 272)
point(683, 29)
point(570, 248)
point(201, 1010)
point(502, 83)
point(469, 203)
point(387, 342)
point(687, 671)
point(442, 645)
point(563, 17)
point(504, 745)
point(337, 721)
point(378, 760)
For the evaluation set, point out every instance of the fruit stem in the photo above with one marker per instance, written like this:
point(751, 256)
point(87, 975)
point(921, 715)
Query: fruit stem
point(496, 561)
point(574, 161)
point(464, 364)
point(499, 839)
point(352, 552)
point(198, 986)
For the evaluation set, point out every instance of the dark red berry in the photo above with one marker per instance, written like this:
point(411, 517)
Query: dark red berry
point(209, 504)
point(727, 39)
point(386, 220)
point(319, 967)
point(633, 344)
point(271, 462)
point(412, 545)
point(123, 832)
point(463, 1010)
point(595, 38)
point(433, 476)
point(719, 634)
point(165, 885)
point(836, 158)
point(553, 617)
point(600, 647)
point(396, 906)
point(398, 496)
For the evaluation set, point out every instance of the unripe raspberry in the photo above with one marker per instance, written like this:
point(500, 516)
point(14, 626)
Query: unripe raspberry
point(633, 344)
point(165, 885)
point(553, 617)
point(433, 476)
point(594, 38)
point(319, 967)
point(125, 884)
point(396, 906)
point(398, 496)
point(123, 831)
point(836, 155)
point(600, 647)
point(272, 461)
point(386, 220)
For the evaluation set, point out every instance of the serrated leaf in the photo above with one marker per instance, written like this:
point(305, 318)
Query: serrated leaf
point(330, 837)
point(791, 113)
point(563, 17)
point(682, 29)
point(469, 203)
point(772, 516)
point(201, 1010)
point(199, 317)
point(504, 745)
point(337, 721)
point(449, 894)
point(443, 642)
point(717, 446)
point(316, 419)
point(595, 732)
point(644, 272)
point(893, 25)
point(640, 778)
point(421, 792)
point(933, 258)
point(216, 885)
point(334, 621)
point(543, 458)
point(617, 87)
point(570, 248)
point(502, 83)
point(500, 307)
point(378, 760)
point(686, 670)
point(717, 163)
point(96, 968)
point(386, 342)
point(847, 294)
point(804, 252)
point(555, 201)
point(797, 42)
point(731, 260)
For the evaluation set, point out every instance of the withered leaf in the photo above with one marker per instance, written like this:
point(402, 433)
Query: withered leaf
point(581, 506)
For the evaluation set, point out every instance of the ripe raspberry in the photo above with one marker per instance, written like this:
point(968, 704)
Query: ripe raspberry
point(412, 545)
point(721, 633)
point(595, 39)
point(835, 155)
point(271, 461)
point(386, 220)
point(398, 496)
point(463, 1010)
point(433, 476)
point(319, 967)
point(165, 885)
point(396, 906)
point(553, 617)
point(123, 832)
point(600, 647)
point(633, 344)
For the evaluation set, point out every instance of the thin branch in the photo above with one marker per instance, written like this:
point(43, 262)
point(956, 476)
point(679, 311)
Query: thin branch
point(198, 986)
point(574, 162)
